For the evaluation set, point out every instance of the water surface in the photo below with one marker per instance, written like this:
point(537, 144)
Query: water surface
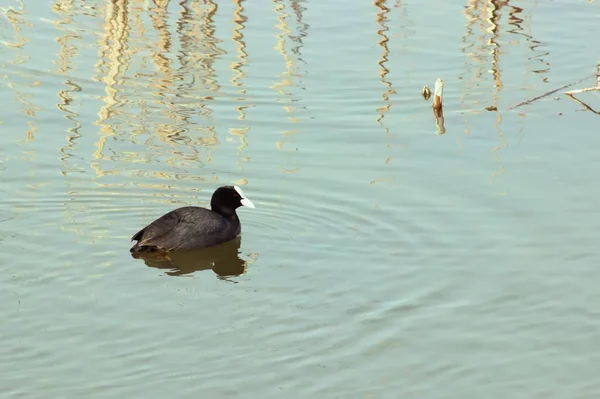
point(383, 260)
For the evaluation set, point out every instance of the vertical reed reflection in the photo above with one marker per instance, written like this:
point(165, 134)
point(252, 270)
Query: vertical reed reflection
point(199, 52)
point(483, 28)
point(66, 96)
point(291, 78)
point(178, 85)
point(485, 14)
point(212, 51)
point(493, 21)
point(532, 44)
point(17, 45)
point(16, 18)
point(115, 61)
point(239, 21)
point(67, 104)
point(168, 95)
point(164, 79)
point(285, 77)
point(483, 48)
point(476, 55)
point(301, 28)
point(382, 19)
point(67, 52)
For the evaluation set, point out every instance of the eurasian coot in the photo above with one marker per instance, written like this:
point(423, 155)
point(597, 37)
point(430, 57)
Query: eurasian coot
point(192, 227)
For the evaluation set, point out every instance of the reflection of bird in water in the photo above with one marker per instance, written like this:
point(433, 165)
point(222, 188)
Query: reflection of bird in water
point(223, 259)
point(193, 227)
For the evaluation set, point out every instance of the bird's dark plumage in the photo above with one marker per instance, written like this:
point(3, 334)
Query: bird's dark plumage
point(193, 227)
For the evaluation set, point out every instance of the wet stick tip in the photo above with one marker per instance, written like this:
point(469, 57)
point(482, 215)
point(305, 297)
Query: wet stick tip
point(438, 93)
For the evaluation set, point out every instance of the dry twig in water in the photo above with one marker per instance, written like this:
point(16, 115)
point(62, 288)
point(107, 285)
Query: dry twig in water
point(550, 92)
point(438, 111)
point(588, 89)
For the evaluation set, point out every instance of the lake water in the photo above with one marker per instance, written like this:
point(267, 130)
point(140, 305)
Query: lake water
point(383, 260)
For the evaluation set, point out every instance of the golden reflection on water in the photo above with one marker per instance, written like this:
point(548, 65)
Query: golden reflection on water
point(197, 77)
point(239, 21)
point(16, 17)
point(170, 85)
point(22, 83)
point(163, 82)
point(493, 18)
point(168, 89)
point(382, 19)
point(161, 49)
point(73, 133)
point(291, 77)
point(115, 61)
point(158, 95)
point(538, 55)
point(482, 46)
point(152, 90)
point(285, 77)
point(480, 40)
point(67, 50)
point(199, 51)
point(139, 56)
point(301, 28)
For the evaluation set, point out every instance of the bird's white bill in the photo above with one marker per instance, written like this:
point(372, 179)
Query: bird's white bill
point(245, 201)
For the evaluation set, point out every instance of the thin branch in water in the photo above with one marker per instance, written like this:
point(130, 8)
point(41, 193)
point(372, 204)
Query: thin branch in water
point(551, 92)
point(584, 104)
point(568, 93)
point(597, 88)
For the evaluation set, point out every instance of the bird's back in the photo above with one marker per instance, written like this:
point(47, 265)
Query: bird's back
point(187, 228)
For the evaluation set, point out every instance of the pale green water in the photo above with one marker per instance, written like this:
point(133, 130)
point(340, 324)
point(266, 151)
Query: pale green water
point(382, 260)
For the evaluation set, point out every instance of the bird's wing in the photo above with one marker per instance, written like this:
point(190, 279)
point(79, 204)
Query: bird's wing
point(171, 229)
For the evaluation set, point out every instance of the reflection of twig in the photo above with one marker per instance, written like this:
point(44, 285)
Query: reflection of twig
point(550, 92)
point(584, 104)
point(597, 88)
point(438, 110)
point(438, 114)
